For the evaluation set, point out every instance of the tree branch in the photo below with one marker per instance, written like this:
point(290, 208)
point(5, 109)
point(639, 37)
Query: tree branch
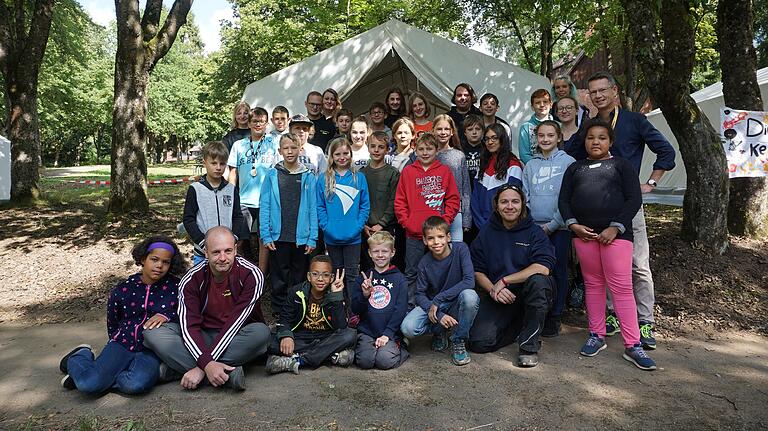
point(176, 18)
point(556, 38)
point(522, 43)
point(34, 46)
point(151, 19)
point(127, 21)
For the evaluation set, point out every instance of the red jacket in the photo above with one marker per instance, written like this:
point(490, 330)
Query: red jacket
point(246, 283)
point(422, 194)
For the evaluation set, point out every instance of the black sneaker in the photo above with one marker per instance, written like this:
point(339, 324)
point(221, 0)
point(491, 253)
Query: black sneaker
point(612, 325)
point(67, 382)
point(236, 379)
point(527, 359)
point(647, 338)
point(551, 327)
point(63, 363)
point(344, 358)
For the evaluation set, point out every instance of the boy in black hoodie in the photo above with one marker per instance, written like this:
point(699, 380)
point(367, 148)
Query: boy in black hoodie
point(313, 327)
point(380, 298)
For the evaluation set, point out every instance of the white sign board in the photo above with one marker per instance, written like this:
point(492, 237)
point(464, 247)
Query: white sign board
point(5, 169)
point(745, 139)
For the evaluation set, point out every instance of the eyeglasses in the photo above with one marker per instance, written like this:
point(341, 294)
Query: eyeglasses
point(565, 109)
point(599, 91)
point(315, 105)
point(506, 187)
point(492, 138)
point(321, 275)
point(377, 113)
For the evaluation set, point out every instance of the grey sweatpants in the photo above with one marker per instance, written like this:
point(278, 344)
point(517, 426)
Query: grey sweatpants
point(642, 279)
point(388, 356)
point(250, 342)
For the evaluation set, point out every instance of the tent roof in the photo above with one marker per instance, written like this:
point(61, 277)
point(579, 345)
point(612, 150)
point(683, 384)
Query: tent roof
point(709, 100)
point(362, 69)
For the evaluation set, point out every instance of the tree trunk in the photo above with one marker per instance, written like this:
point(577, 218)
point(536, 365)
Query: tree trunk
point(748, 204)
point(546, 65)
point(21, 53)
point(667, 75)
point(140, 45)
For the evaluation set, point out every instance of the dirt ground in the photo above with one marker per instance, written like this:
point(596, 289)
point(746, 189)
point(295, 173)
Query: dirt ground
point(59, 260)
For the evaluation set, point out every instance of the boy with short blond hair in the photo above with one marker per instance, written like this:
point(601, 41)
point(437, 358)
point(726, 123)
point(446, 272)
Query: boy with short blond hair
point(380, 299)
point(445, 292)
point(212, 201)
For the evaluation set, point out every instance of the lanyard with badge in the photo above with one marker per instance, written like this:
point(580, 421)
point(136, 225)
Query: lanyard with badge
point(255, 156)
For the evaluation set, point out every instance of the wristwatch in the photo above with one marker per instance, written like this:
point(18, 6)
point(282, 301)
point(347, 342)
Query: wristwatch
point(652, 183)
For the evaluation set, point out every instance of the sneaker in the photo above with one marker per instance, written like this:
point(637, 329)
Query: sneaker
point(646, 336)
point(343, 358)
point(527, 359)
point(167, 374)
point(551, 327)
point(440, 342)
point(637, 356)
point(612, 325)
point(280, 364)
point(460, 354)
point(236, 379)
point(593, 346)
point(63, 363)
point(67, 382)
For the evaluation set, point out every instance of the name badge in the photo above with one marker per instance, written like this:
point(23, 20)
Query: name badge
point(596, 165)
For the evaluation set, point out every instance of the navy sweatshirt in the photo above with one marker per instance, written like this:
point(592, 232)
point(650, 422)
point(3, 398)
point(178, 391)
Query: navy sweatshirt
point(498, 251)
point(600, 194)
point(441, 281)
point(633, 132)
point(383, 311)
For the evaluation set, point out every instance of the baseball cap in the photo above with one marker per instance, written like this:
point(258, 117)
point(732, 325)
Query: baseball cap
point(300, 119)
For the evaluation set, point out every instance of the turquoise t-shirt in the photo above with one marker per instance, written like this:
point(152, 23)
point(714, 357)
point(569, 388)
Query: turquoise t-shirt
point(252, 159)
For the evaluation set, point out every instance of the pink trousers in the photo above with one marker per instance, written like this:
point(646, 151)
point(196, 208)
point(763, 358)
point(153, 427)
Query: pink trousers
point(609, 265)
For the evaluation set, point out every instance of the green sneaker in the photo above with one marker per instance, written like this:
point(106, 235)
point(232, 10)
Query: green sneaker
point(646, 336)
point(440, 342)
point(460, 354)
point(612, 325)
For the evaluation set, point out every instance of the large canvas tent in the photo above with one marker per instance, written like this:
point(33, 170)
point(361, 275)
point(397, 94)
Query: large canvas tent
point(710, 101)
point(363, 68)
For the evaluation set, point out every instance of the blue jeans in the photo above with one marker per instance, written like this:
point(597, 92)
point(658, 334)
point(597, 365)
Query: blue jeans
point(115, 367)
point(463, 309)
point(457, 229)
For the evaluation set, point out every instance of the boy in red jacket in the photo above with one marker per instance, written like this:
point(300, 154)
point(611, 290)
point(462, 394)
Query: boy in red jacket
point(426, 188)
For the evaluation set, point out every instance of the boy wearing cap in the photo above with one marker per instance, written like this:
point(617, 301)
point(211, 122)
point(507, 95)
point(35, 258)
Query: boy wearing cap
point(310, 155)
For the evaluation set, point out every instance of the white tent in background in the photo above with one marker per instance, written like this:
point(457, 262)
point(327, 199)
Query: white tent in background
point(710, 101)
point(363, 68)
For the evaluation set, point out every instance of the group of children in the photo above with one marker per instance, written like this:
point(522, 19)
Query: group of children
point(329, 227)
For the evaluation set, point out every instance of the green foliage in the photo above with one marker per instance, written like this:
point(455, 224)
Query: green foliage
point(706, 71)
point(761, 33)
point(75, 89)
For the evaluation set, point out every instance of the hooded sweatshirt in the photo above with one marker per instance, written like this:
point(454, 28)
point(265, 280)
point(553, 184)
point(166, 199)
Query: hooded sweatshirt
point(542, 178)
point(457, 162)
point(206, 207)
point(343, 215)
point(422, 194)
point(498, 251)
point(526, 142)
point(271, 202)
point(384, 310)
point(485, 188)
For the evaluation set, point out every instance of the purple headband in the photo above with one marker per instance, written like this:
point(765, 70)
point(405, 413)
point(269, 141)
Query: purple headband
point(163, 245)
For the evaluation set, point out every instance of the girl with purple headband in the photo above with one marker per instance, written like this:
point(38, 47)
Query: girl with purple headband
point(145, 300)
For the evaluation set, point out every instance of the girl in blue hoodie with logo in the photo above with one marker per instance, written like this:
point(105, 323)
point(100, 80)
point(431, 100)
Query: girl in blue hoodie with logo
point(542, 178)
point(144, 301)
point(343, 206)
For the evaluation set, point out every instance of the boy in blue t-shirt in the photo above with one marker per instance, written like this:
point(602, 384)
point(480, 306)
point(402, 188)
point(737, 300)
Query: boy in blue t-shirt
point(445, 292)
point(380, 298)
point(249, 161)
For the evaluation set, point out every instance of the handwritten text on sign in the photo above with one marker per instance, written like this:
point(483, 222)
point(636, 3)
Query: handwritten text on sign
point(745, 140)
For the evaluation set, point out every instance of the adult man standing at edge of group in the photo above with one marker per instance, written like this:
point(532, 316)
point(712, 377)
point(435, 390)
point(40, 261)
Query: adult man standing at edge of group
point(220, 323)
point(633, 133)
point(325, 129)
point(464, 99)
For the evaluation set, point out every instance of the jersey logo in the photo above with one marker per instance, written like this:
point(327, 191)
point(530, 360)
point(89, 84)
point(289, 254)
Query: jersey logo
point(347, 196)
point(434, 200)
point(380, 296)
